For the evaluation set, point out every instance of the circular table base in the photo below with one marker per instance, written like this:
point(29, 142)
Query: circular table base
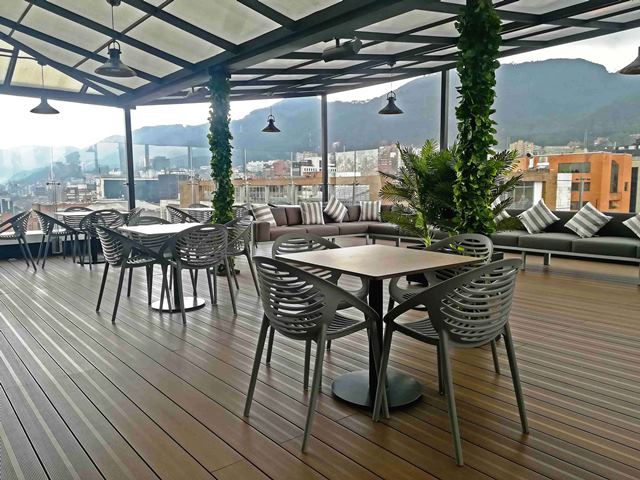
point(354, 388)
point(190, 303)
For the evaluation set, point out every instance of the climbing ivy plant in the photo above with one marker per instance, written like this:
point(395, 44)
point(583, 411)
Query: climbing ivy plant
point(479, 29)
point(220, 145)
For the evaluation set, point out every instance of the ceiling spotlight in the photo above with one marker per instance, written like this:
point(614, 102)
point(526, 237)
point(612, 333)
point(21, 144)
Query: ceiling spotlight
point(339, 51)
point(43, 108)
point(633, 68)
point(114, 67)
point(271, 124)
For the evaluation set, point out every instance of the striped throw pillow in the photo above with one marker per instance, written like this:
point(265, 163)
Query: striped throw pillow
point(633, 224)
point(262, 213)
point(503, 215)
point(335, 210)
point(370, 211)
point(537, 218)
point(312, 213)
point(587, 221)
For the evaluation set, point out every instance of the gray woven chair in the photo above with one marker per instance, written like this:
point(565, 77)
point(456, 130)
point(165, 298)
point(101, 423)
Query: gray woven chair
point(132, 215)
point(126, 254)
point(302, 306)
point(202, 247)
point(178, 216)
point(239, 244)
point(99, 218)
point(471, 244)
point(468, 310)
point(306, 242)
point(240, 211)
point(15, 228)
point(53, 228)
point(201, 216)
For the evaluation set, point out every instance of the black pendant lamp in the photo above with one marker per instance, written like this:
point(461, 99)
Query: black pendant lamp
point(114, 67)
point(390, 108)
point(633, 68)
point(43, 108)
point(271, 124)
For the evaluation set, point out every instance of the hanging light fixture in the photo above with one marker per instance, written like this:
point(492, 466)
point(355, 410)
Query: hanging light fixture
point(43, 108)
point(391, 108)
point(271, 124)
point(633, 68)
point(114, 67)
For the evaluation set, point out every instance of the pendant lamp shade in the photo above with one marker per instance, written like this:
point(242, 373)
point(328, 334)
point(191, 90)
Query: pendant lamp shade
point(271, 125)
point(633, 68)
point(114, 67)
point(43, 108)
point(390, 108)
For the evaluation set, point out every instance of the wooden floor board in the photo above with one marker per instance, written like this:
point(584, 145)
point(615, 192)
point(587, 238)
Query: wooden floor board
point(147, 397)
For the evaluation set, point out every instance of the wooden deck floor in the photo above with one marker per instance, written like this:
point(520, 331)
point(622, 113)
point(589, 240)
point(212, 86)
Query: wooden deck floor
point(146, 398)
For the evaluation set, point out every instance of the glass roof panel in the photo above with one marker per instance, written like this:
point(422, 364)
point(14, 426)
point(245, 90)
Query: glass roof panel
point(407, 21)
point(242, 77)
point(288, 77)
point(528, 31)
point(389, 48)
point(333, 64)
point(348, 76)
point(173, 40)
point(12, 9)
point(145, 62)
point(603, 11)
point(279, 63)
point(99, 11)
point(444, 30)
point(565, 32)
point(48, 50)
point(64, 29)
point(59, 81)
point(539, 6)
point(299, 8)
point(625, 17)
point(4, 64)
point(27, 74)
point(232, 20)
point(91, 91)
point(431, 64)
point(253, 87)
point(317, 47)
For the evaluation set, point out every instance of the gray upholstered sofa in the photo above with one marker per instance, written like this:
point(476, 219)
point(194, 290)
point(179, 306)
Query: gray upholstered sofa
point(613, 242)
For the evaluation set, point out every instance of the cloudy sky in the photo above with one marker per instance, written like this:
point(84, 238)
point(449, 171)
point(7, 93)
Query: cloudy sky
point(81, 125)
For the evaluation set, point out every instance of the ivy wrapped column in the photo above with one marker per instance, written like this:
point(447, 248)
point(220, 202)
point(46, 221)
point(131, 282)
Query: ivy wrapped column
point(220, 145)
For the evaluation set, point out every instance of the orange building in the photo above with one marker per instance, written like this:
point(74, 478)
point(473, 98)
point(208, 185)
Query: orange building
point(602, 178)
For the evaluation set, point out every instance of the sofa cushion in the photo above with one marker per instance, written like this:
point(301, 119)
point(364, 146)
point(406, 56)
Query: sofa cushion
point(279, 215)
point(294, 216)
point(558, 242)
point(353, 228)
point(275, 232)
point(382, 228)
point(330, 230)
point(508, 238)
point(613, 246)
point(353, 213)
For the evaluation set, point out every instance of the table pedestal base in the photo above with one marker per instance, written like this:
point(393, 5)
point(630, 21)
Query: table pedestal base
point(190, 303)
point(354, 388)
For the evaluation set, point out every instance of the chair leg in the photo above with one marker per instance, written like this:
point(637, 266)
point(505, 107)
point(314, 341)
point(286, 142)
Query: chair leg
point(256, 365)
point(23, 252)
point(315, 389)
point(272, 332)
point(90, 255)
point(215, 284)
point(194, 282)
point(307, 362)
point(46, 250)
point(233, 297)
point(235, 277)
point(494, 354)
point(28, 250)
point(451, 401)
point(104, 281)
point(40, 249)
point(390, 306)
point(208, 272)
point(382, 372)
point(252, 268)
point(74, 239)
point(328, 345)
point(149, 269)
point(129, 282)
point(165, 287)
point(515, 375)
point(440, 375)
point(118, 292)
point(178, 282)
point(372, 335)
point(64, 247)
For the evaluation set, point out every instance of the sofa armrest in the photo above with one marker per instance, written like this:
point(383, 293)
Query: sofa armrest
point(262, 231)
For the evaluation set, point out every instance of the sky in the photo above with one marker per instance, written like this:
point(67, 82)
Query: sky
point(81, 125)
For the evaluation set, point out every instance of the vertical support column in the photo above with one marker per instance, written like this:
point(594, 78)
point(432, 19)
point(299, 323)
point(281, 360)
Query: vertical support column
point(128, 142)
point(444, 110)
point(324, 147)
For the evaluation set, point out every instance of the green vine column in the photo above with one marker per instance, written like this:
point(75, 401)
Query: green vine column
point(220, 145)
point(479, 28)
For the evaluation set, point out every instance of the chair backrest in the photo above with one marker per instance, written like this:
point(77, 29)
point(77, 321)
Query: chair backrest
point(238, 235)
point(178, 216)
point(77, 209)
point(305, 242)
point(104, 218)
point(469, 244)
point(196, 205)
point(148, 220)
point(153, 242)
point(472, 308)
point(297, 303)
point(48, 223)
point(18, 223)
point(240, 211)
point(115, 248)
point(201, 246)
point(132, 215)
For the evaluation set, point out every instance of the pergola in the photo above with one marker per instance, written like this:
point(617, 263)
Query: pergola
point(271, 48)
